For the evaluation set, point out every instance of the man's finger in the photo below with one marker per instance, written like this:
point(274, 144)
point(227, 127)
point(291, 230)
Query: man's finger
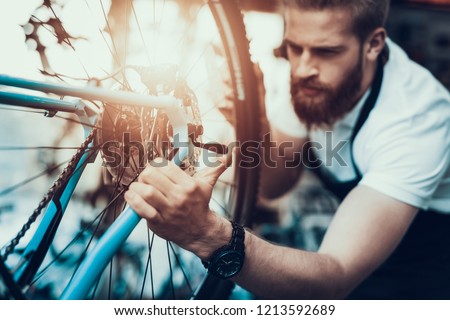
point(141, 206)
point(155, 177)
point(170, 170)
point(151, 195)
point(212, 173)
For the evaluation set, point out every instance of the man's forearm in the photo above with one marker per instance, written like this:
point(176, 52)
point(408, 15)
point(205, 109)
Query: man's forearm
point(282, 164)
point(276, 181)
point(275, 272)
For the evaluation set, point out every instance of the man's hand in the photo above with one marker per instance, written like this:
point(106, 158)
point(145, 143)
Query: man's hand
point(176, 206)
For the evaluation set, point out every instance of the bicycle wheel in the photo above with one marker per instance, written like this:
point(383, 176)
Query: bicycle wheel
point(196, 51)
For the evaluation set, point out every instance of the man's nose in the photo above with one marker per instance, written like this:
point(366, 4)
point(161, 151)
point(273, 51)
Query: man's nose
point(306, 67)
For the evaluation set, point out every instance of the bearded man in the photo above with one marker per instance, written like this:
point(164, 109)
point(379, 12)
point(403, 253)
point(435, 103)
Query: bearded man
point(389, 238)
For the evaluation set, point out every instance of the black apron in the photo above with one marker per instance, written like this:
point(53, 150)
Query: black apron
point(419, 268)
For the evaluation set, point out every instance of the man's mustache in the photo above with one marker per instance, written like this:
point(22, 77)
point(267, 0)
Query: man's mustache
point(309, 83)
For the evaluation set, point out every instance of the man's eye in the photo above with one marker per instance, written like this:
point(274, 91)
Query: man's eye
point(294, 49)
point(326, 52)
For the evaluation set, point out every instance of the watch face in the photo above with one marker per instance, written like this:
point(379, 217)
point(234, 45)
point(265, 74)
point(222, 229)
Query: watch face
point(227, 264)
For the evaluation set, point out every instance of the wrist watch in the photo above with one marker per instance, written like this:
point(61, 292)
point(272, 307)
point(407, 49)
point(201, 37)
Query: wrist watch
point(228, 260)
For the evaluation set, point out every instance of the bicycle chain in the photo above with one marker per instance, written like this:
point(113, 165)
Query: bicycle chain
point(60, 182)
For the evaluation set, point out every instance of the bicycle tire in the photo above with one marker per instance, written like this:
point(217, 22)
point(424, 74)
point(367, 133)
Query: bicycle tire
point(248, 178)
point(232, 32)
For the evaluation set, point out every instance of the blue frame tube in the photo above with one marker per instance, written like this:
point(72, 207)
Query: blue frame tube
point(96, 261)
point(91, 93)
point(49, 104)
point(53, 209)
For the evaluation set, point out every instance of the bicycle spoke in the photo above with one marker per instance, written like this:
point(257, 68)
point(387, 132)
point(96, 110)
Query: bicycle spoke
point(159, 24)
point(110, 277)
point(94, 233)
point(206, 80)
point(22, 109)
point(214, 107)
point(187, 29)
point(127, 28)
point(115, 51)
point(172, 287)
point(97, 283)
point(21, 148)
point(186, 279)
point(148, 266)
point(80, 122)
point(72, 242)
point(18, 185)
point(197, 61)
point(67, 39)
point(101, 33)
point(147, 53)
point(56, 116)
point(155, 44)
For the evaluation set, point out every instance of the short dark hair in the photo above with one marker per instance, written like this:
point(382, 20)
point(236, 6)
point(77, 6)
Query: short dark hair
point(367, 14)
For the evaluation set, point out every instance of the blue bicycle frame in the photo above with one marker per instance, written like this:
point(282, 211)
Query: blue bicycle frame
point(96, 260)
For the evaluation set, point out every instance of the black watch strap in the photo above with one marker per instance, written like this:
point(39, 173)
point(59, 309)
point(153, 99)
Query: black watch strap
point(236, 243)
point(237, 237)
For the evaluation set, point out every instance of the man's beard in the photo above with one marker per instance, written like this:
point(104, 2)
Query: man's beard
point(333, 105)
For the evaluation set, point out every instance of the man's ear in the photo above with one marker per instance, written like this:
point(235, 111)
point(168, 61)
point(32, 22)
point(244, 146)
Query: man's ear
point(375, 44)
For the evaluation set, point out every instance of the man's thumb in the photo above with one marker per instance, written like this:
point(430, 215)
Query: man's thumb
point(212, 173)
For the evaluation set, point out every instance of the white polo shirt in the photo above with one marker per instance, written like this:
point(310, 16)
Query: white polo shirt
point(403, 149)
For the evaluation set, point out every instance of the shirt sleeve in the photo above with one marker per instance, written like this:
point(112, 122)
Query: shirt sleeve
point(408, 161)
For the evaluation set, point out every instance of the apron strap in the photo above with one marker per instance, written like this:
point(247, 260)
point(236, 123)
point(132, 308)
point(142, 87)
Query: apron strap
point(365, 112)
point(341, 189)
